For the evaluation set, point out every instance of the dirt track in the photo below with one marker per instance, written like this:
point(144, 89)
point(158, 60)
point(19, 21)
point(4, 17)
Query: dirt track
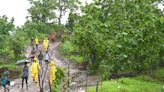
point(78, 76)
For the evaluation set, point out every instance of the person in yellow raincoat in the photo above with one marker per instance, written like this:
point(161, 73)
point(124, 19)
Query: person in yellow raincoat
point(35, 67)
point(46, 44)
point(52, 72)
point(36, 42)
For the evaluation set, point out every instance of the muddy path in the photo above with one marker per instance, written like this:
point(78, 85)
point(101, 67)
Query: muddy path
point(78, 75)
point(32, 86)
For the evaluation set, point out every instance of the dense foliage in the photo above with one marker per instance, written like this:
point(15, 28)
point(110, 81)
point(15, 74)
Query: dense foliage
point(120, 35)
point(7, 28)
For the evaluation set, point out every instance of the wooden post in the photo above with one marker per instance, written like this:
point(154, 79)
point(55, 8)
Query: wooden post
point(101, 81)
point(68, 75)
point(50, 86)
point(42, 81)
point(97, 86)
point(86, 81)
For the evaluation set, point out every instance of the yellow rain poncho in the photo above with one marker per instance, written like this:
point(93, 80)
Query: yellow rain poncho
point(45, 44)
point(36, 41)
point(35, 67)
point(52, 72)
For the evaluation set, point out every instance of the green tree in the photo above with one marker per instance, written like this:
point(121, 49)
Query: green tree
point(6, 27)
point(72, 19)
point(18, 43)
point(63, 6)
point(42, 10)
point(120, 34)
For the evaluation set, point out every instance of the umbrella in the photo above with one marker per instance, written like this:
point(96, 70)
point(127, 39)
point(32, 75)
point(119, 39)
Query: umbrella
point(21, 62)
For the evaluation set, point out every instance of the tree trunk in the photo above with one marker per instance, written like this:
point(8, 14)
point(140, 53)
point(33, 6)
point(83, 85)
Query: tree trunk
point(60, 16)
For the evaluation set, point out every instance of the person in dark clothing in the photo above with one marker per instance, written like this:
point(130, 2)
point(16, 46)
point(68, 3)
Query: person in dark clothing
point(5, 79)
point(25, 75)
point(40, 57)
point(32, 41)
point(33, 54)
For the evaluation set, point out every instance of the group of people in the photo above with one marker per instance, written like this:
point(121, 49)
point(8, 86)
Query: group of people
point(38, 59)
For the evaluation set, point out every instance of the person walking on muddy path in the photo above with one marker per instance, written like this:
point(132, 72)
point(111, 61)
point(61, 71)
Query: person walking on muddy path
point(25, 75)
point(46, 57)
point(35, 68)
point(52, 37)
point(40, 57)
point(5, 79)
point(52, 72)
point(32, 41)
point(45, 44)
point(33, 52)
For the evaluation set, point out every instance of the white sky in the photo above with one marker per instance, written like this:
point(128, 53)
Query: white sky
point(18, 10)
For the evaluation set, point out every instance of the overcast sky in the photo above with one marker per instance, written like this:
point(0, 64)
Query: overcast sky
point(18, 10)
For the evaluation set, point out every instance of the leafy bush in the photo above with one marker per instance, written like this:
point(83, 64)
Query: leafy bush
point(159, 74)
point(77, 58)
point(41, 37)
point(67, 48)
point(1, 62)
point(71, 52)
point(59, 75)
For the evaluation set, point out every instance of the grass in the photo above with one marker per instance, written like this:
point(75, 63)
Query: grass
point(67, 47)
point(137, 84)
point(78, 59)
point(70, 52)
point(15, 71)
point(10, 66)
point(159, 74)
